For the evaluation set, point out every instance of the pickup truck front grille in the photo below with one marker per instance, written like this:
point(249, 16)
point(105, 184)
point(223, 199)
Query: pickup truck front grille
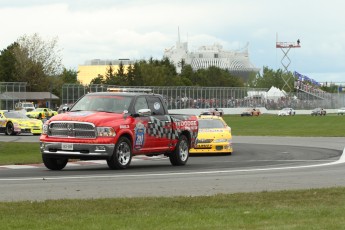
point(72, 129)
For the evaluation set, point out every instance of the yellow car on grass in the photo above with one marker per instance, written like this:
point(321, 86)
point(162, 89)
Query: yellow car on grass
point(16, 122)
point(41, 113)
point(214, 136)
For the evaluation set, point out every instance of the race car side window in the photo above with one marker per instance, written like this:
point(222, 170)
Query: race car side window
point(156, 105)
point(140, 103)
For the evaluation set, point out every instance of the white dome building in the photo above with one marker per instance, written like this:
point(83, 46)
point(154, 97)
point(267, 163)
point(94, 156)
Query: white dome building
point(236, 62)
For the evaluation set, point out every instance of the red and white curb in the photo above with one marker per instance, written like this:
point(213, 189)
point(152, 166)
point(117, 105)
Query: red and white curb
point(79, 163)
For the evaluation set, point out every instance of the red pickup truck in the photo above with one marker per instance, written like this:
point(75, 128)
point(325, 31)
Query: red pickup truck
point(115, 126)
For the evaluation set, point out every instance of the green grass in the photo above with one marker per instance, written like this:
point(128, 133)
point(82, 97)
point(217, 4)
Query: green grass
point(19, 153)
point(299, 125)
point(307, 209)
point(301, 209)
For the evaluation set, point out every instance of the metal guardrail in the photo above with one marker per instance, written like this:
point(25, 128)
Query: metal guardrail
point(181, 97)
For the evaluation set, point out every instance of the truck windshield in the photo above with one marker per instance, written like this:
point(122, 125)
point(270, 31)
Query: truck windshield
point(104, 103)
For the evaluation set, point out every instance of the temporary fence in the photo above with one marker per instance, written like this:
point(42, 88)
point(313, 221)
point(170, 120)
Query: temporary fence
point(181, 97)
point(8, 92)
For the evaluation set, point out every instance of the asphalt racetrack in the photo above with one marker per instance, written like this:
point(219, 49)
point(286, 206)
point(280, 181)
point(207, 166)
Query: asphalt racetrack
point(257, 164)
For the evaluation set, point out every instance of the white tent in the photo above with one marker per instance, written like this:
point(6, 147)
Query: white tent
point(274, 93)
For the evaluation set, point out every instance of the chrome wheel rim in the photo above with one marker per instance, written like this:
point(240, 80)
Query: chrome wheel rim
point(183, 150)
point(123, 153)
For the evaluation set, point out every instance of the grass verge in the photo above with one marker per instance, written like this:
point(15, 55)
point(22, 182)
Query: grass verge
point(19, 153)
point(301, 209)
point(299, 125)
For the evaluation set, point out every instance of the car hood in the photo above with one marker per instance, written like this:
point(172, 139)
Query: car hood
point(97, 118)
point(214, 133)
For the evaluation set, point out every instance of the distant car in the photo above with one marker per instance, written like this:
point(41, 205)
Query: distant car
point(64, 108)
point(26, 106)
point(214, 136)
point(41, 113)
point(251, 112)
point(318, 111)
point(341, 111)
point(287, 112)
point(215, 112)
point(16, 122)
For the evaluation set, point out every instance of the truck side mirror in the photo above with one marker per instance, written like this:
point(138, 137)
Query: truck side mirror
point(144, 112)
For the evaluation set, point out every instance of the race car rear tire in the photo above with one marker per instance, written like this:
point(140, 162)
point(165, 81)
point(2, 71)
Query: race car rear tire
point(180, 155)
point(54, 163)
point(122, 155)
point(9, 129)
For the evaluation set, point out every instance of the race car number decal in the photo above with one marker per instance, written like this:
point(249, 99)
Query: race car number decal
point(203, 146)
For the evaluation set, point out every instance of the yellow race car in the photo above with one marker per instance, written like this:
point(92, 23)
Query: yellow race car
point(16, 122)
point(214, 136)
point(41, 113)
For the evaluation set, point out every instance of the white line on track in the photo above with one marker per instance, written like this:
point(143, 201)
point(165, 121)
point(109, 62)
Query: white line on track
point(341, 160)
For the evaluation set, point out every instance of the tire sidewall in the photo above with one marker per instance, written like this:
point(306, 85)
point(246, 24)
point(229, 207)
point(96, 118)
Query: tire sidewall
point(114, 162)
point(8, 125)
point(176, 156)
point(54, 163)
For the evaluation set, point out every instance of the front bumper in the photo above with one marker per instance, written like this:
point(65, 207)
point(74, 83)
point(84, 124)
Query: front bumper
point(212, 148)
point(77, 150)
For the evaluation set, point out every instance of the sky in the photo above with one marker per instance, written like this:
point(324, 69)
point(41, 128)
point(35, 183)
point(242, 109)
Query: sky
point(141, 29)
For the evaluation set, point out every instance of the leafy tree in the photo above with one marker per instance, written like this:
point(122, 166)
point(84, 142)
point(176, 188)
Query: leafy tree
point(271, 78)
point(98, 80)
point(130, 76)
point(137, 75)
point(69, 76)
point(110, 78)
point(188, 76)
point(33, 60)
point(121, 76)
point(8, 63)
point(40, 51)
point(214, 76)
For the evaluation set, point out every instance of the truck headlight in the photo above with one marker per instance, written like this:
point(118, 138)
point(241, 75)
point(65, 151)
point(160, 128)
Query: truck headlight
point(105, 132)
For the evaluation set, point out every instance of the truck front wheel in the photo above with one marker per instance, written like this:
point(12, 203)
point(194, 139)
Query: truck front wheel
point(181, 153)
point(54, 163)
point(122, 155)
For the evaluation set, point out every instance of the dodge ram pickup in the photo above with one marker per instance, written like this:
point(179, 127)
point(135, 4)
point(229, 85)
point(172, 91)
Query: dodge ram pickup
point(115, 126)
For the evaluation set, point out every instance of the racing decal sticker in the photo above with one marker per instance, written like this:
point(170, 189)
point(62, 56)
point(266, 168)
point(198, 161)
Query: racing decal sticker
point(139, 135)
point(157, 128)
point(124, 126)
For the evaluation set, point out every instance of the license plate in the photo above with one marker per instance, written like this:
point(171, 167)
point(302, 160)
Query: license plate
point(66, 146)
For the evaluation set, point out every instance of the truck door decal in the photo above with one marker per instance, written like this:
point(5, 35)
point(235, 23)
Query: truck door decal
point(157, 128)
point(139, 135)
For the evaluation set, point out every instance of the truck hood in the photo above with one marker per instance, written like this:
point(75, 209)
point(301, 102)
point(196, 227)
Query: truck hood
point(97, 118)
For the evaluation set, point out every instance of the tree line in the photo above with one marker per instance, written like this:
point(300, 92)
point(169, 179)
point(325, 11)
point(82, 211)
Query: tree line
point(163, 73)
point(38, 62)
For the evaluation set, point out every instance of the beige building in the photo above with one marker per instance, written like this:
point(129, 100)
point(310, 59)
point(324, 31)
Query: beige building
point(96, 67)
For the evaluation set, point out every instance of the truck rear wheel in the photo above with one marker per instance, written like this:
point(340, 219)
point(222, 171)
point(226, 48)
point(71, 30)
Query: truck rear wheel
point(122, 155)
point(54, 163)
point(181, 153)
